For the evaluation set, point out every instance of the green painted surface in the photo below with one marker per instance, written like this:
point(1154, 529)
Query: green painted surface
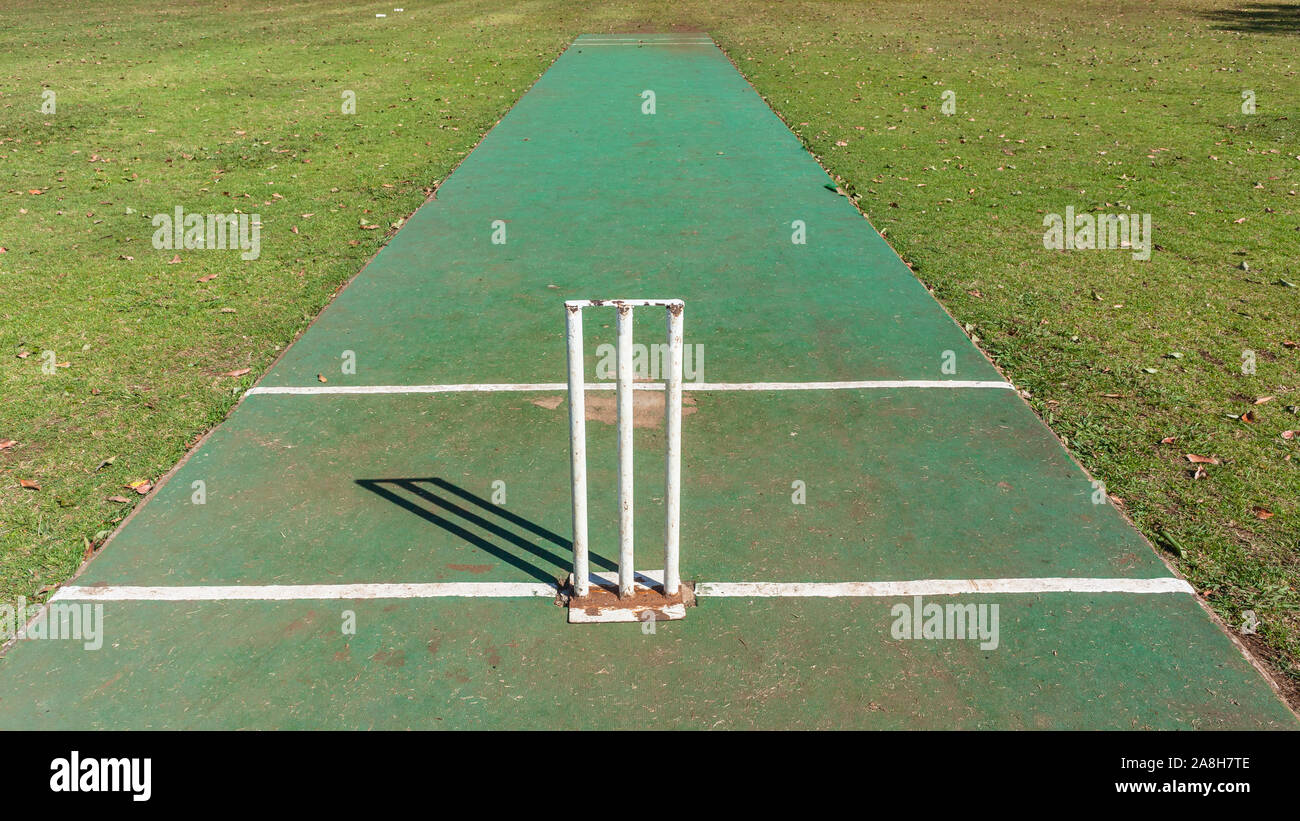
point(695, 201)
point(1064, 661)
point(899, 485)
point(599, 200)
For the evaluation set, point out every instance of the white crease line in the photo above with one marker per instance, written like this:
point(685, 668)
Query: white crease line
point(292, 592)
point(512, 387)
point(921, 587)
point(939, 587)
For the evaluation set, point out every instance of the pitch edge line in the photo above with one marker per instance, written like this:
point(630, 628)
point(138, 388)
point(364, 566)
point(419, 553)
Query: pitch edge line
point(515, 387)
point(920, 587)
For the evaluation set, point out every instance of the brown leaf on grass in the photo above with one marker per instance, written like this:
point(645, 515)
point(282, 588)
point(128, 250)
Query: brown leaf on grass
point(321, 377)
point(35, 191)
point(1248, 417)
point(1199, 473)
point(1168, 440)
point(1261, 400)
point(1286, 343)
point(1290, 434)
point(207, 278)
point(119, 499)
point(369, 227)
point(1262, 513)
point(29, 484)
point(174, 260)
point(1202, 460)
point(24, 354)
point(239, 372)
point(5, 444)
point(141, 486)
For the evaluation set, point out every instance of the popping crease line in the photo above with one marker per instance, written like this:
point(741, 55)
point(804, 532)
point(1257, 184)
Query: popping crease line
point(919, 587)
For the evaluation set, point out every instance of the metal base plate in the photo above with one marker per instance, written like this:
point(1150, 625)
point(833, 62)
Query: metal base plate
point(602, 603)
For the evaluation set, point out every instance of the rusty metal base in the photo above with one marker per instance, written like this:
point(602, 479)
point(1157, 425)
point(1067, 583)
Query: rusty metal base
point(602, 603)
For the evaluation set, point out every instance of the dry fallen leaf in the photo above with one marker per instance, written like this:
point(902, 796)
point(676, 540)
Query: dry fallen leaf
point(1248, 417)
point(5, 444)
point(1200, 472)
point(207, 278)
point(141, 486)
point(239, 372)
point(321, 377)
point(1168, 440)
point(174, 260)
point(1261, 400)
point(1290, 434)
point(1262, 513)
point(1202, 460)
point(29, 484)
point(119, 499)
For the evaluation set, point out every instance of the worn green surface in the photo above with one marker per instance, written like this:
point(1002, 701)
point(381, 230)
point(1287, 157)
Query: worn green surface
point(600, 200)
point(1064, 661)
point(899, 485)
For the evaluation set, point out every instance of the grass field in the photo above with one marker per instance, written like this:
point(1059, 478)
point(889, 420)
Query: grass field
point(1105, 107)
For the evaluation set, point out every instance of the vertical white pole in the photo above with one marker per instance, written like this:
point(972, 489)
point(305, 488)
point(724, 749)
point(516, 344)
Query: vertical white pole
point(673, 433)
point(626, 569)
point(578, 449)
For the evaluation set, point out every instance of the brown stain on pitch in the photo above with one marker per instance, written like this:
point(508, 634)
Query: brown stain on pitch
point(101, 688)
point(470, 568)
point(298, 625)
point(391, 658)
point(647, 407)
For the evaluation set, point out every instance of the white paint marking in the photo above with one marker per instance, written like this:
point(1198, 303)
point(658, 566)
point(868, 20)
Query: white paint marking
point(543, 387)
point(920, 587)
point(294, 592)
point(939, 587)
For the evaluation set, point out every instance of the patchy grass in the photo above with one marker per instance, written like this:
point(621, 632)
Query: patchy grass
point(1103, 107)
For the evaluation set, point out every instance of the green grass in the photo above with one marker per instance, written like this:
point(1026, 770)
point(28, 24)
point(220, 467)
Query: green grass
point(1104, 106)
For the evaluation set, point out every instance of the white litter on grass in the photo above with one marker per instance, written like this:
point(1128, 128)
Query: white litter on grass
point(381, 15)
